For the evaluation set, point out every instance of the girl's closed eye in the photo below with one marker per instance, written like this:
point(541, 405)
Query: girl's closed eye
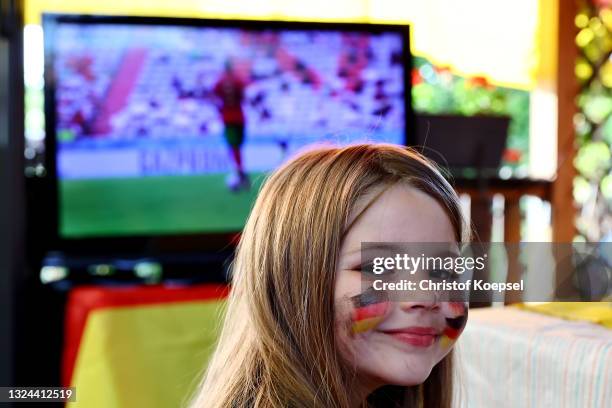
point(442, 274)
point(372, 268)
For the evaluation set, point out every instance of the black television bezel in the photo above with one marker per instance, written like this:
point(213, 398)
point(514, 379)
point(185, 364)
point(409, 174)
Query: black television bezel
point(180, 242)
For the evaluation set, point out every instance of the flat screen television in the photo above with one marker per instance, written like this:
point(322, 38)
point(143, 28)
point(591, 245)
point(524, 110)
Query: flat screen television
point(167, 126)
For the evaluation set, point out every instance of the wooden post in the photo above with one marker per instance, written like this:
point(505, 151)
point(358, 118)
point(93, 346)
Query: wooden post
point(512, 219)
point(562, 200)
point(512, 238)
point(482, 217)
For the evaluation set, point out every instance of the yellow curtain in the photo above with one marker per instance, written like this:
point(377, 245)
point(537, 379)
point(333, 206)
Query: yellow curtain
point(509, 42)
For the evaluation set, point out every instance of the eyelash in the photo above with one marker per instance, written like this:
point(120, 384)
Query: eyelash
point(368, 268)
point(448, 274)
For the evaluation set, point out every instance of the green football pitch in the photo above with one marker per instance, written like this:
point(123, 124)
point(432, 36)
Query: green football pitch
point(153, 205)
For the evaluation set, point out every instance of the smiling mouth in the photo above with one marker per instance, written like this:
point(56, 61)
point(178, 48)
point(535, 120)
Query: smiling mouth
point(415, 336)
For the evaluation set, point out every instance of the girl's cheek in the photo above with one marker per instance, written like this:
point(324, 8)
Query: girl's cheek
point(455, 314)
point(368, 310)
point(366, 318)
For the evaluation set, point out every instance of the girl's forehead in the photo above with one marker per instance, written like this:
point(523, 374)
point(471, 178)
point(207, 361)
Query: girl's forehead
point(400, 213)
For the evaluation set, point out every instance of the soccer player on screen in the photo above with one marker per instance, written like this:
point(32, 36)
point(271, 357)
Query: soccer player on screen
point(229, 90)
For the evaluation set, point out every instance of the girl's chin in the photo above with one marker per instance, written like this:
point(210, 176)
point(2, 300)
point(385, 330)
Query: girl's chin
point(407, 381)
point(401, 376)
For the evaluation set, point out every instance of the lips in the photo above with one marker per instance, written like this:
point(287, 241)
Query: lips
point(415, 336)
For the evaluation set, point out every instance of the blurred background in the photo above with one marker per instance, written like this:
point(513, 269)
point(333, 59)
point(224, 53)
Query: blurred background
point(131, 150)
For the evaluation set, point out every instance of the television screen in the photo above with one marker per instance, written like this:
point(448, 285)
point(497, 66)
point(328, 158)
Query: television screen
point(168, 126)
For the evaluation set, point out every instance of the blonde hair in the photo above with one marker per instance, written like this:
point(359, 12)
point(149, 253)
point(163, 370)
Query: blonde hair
point(278, 346)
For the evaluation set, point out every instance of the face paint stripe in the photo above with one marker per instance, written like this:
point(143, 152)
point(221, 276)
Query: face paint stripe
point(452, 333)
point(457, 322)
point(366, 324)
point(370, 297)
point(457, 308)
point(445, 341)
point(366, 312)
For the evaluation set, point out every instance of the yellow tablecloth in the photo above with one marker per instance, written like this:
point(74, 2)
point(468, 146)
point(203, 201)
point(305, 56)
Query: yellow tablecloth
point(594, 312)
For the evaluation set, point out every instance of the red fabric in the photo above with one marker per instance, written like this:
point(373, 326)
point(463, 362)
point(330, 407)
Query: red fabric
point(230, 89)
point(85, 299)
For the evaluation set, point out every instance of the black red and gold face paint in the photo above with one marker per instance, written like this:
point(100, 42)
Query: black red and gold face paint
point(369, 310)
point(456, 314)
point(371, 307)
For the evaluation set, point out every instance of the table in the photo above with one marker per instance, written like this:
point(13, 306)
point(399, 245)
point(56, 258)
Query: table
point(512, 358)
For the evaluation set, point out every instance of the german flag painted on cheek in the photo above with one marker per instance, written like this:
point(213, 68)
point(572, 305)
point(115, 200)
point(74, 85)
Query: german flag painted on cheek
point(456, 318)
point(369, 310)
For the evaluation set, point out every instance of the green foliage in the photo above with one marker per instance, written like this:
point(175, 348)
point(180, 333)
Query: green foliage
point(593, 122)
point(437, 91)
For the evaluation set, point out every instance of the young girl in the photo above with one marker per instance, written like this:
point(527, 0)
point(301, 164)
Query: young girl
point(299, 331)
